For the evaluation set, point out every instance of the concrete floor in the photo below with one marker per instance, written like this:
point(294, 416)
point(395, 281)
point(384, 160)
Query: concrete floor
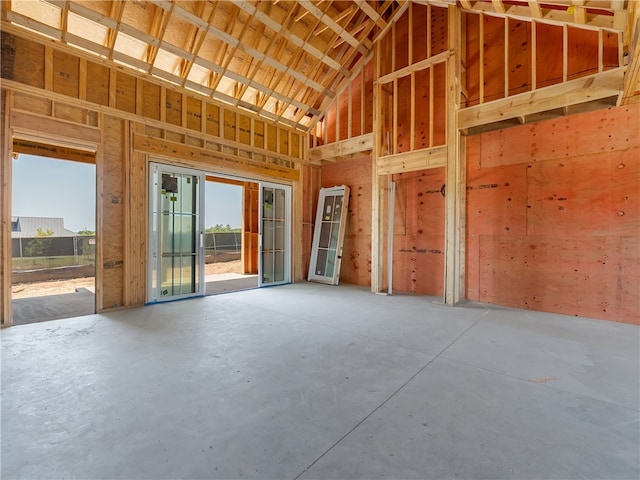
point(82, 301)
point(313, 381)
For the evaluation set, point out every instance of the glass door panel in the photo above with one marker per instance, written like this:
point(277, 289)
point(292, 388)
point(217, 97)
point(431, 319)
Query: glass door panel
point(328, 236)
point(175, 253)
point(275, 234)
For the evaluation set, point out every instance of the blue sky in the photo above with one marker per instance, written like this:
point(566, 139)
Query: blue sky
point(44, 187)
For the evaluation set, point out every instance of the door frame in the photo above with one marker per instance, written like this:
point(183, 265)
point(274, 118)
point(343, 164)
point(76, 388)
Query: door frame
point(287, 234)
point(166, 164)
point(156, 166)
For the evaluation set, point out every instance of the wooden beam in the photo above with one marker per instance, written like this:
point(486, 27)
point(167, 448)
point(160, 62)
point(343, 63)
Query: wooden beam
point(534, 6)
point(426, 63)
point(581, 90)
point(454, 280)
point(355, 145)
point(333, 25)
point(423, 159)
point(498, 6)
point(372, 14)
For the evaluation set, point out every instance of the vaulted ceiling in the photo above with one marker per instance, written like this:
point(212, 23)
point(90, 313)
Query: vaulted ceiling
point(285, 60)
point(281, 59)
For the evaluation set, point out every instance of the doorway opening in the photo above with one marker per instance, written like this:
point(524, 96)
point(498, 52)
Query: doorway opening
point(53, 230)
point(177, 247)
point(231, 235)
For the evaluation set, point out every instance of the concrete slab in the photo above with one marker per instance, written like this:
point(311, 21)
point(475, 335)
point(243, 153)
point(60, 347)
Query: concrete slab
point(53, 307)
point(458, 421)
point(579, 355)
point(313, 381)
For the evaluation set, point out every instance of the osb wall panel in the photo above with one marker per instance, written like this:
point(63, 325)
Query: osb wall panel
point(356, 253)
point(602, 131)
point(494, 57)
point(401, 34)
point(65, 73)
point(111, 181)
point(418, 242)
point(98, 84)
point(567, 190)
point(404, 114)
point(519, 67)
point(22, 61)
point(582, 55)
point(336, 125)
point(589, 276)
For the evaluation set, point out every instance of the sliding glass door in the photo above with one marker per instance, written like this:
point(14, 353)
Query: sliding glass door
point(176, 258)
point(274, 264)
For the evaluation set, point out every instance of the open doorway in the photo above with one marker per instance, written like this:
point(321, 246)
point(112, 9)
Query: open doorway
point(53, 227)
point(231, 235)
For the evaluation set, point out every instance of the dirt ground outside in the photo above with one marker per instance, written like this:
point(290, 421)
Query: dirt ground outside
point(55, 287)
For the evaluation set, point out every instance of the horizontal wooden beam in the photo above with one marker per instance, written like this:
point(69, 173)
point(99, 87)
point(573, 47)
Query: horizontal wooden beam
point(573, 92)
point(424, 159)
point(232, 163)
point(47, 129)
point(421, 65)
point(331, 152)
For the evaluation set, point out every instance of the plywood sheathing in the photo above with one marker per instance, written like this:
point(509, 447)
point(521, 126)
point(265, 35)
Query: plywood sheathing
point(507, 56)
point(356, 255)
point(57, 70)
point(553, 215)
point(418, 242)
point(112, 210)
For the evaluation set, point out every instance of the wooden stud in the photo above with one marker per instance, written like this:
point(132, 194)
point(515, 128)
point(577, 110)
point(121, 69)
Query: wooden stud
point(349, 113)
point(481, 46)
point(534, 55)
point(431, 104)
point(5, 210)
point(572, 92)
point(410, 61)
point(394, 121)
point(412, 121)
point(376, 257)
point(565, 52)
point(506, 57)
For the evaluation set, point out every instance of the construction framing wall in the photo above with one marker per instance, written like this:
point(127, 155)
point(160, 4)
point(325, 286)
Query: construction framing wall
point(553, 215)
point(53, 96)
point(510, 141)
point(507, 190)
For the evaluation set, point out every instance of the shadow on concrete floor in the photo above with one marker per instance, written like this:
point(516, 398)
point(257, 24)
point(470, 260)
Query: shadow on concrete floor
point(53, 307)
point(225, 283)
point(82, 301)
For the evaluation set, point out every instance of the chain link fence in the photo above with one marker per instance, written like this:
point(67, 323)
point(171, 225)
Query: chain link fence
point(49, 252)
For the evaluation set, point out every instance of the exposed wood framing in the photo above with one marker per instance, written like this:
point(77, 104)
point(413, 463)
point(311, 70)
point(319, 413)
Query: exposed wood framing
point(5, 210)
point(593, 87)
point(456, 166)
point(631, 92)
point(131, 108)
point(345, 148)
point(435, 157)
